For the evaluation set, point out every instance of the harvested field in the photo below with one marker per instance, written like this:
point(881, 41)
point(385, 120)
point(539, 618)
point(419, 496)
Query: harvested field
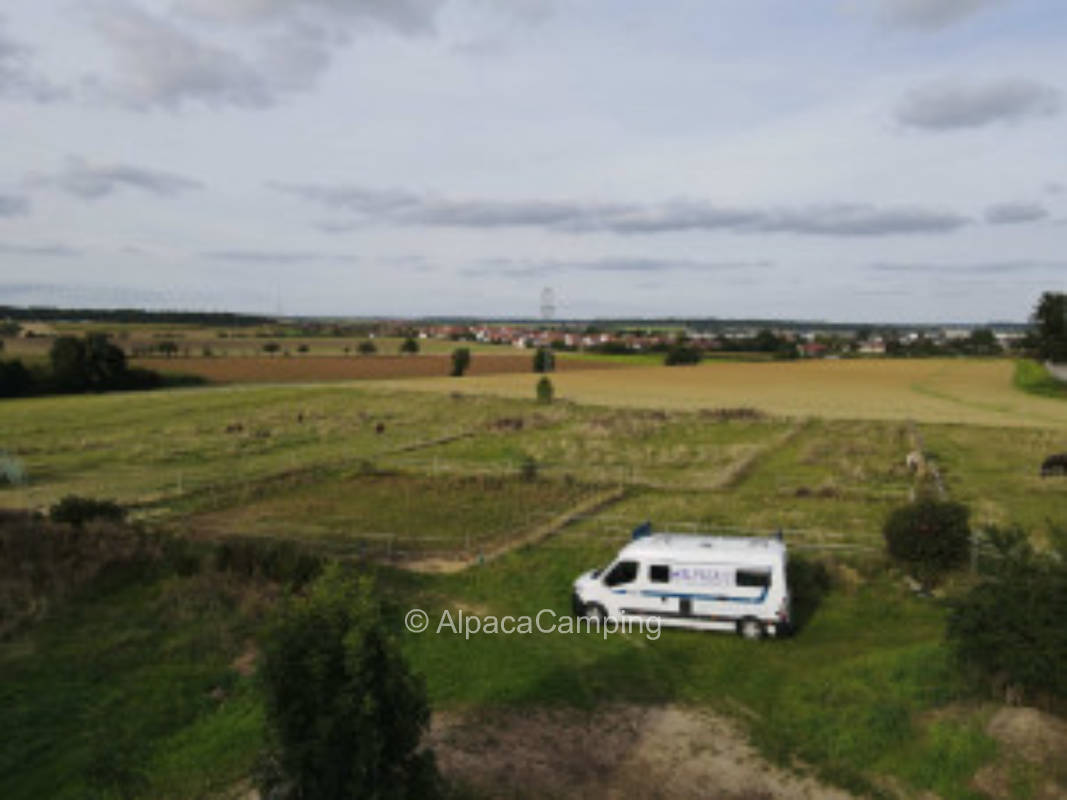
point(969, 391)
point(306, 369)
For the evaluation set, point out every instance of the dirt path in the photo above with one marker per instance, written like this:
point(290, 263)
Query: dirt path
point(615, 752)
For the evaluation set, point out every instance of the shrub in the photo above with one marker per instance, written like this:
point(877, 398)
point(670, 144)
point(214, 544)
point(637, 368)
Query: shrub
point(367, 347)
point(682, 354)
point(929, 536)
point(545, 391)
point(410, 346)
point(76, 511)
point(1009, 627)
point(271, 347)
point(544, 360)
point(345, 712)
point(461, 359)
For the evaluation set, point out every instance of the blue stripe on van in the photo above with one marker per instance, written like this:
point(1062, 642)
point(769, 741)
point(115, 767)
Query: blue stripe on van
point(715, 598)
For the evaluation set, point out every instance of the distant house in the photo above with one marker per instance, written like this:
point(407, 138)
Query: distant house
point(873, 347)
point(813, 350)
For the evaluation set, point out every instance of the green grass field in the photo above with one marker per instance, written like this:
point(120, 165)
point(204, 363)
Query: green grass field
point(139, 677)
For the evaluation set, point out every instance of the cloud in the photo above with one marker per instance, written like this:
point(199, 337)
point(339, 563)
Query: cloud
point(48, 250)
point(273, 47)
point(275, 256)
point(13, 205)
point(1015, 213)
point(162, 65)
point(949, 105)
point(929, 14)
point(17, 77)
point(976, 268)
point(91, 182)
point(405, 208)
point(512, 268)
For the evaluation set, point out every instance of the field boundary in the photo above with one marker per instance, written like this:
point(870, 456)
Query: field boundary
point(583, 510)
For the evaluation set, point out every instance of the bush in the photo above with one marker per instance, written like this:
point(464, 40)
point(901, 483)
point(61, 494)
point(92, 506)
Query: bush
point(410, 346)
point(345, 712)
point(367, 347)
point(76, 511)
point(545, 391)
point(929, 536)
point(682, 354)
point(544, 360)
point(461, 359)
point(1009, 628)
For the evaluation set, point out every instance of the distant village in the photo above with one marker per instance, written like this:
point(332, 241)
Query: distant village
point(796, 342)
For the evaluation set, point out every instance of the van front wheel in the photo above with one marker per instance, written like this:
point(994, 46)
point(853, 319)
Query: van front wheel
point(750, 628)
point(596, 611)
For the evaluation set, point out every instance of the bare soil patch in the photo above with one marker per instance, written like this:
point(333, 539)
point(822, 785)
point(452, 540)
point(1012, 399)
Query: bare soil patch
point(615, 752)
point(298, 369)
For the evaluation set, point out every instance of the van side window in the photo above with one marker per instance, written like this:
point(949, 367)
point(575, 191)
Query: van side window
point(659, 573)
point(623, 572)
point(753, 577)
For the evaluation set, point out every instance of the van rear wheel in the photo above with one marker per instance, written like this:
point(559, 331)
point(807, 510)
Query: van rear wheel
point(750, 628)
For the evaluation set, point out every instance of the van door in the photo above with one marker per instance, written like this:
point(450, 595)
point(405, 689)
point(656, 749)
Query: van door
point(620, 582)
point(662, 599)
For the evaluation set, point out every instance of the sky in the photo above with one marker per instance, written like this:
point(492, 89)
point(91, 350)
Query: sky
point(844, 160)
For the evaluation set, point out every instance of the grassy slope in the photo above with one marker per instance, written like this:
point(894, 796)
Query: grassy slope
point(111, 697)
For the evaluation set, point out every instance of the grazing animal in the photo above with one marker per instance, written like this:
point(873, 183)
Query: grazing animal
point(1054, 465)
point(379, 428)
point(914, 461)
point(235, 427)
point(300, 417)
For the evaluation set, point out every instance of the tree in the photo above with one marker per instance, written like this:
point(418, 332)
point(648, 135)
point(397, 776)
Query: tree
point(461, 359)
point(271, 347)
point(367, 347)
point(1050, 323)
point(1009, 627)
point(929, 536)
point(345, 712)
point(544, 360)
point(410, 346)
point(681, 354)
point(167, 348)
point(91, 364)
point(545, 391)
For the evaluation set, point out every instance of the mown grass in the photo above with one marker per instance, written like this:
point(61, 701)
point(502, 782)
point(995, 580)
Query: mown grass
point(846, 695)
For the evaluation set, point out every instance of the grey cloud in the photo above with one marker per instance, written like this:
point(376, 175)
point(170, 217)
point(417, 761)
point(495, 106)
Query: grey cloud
point(406, 208)
point(18, 80)
point(163, 65)
point(91, 182)
point(511, 268)
point(171, 61)
point(976, 268)
point(404, 16)
point(930, 14)
point(13, 205)
point(275, 256)
point(1015, 213)
point(48, 250)
point(951, 105)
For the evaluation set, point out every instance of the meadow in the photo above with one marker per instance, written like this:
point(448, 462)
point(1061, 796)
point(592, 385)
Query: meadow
point(865, 694)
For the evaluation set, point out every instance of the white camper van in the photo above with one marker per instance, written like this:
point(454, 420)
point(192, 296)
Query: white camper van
point(724, 583)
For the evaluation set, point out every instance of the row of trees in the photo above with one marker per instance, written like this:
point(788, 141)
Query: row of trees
point(88, 364)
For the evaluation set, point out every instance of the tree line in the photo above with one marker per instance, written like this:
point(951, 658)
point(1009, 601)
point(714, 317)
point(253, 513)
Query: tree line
point(76, 365)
